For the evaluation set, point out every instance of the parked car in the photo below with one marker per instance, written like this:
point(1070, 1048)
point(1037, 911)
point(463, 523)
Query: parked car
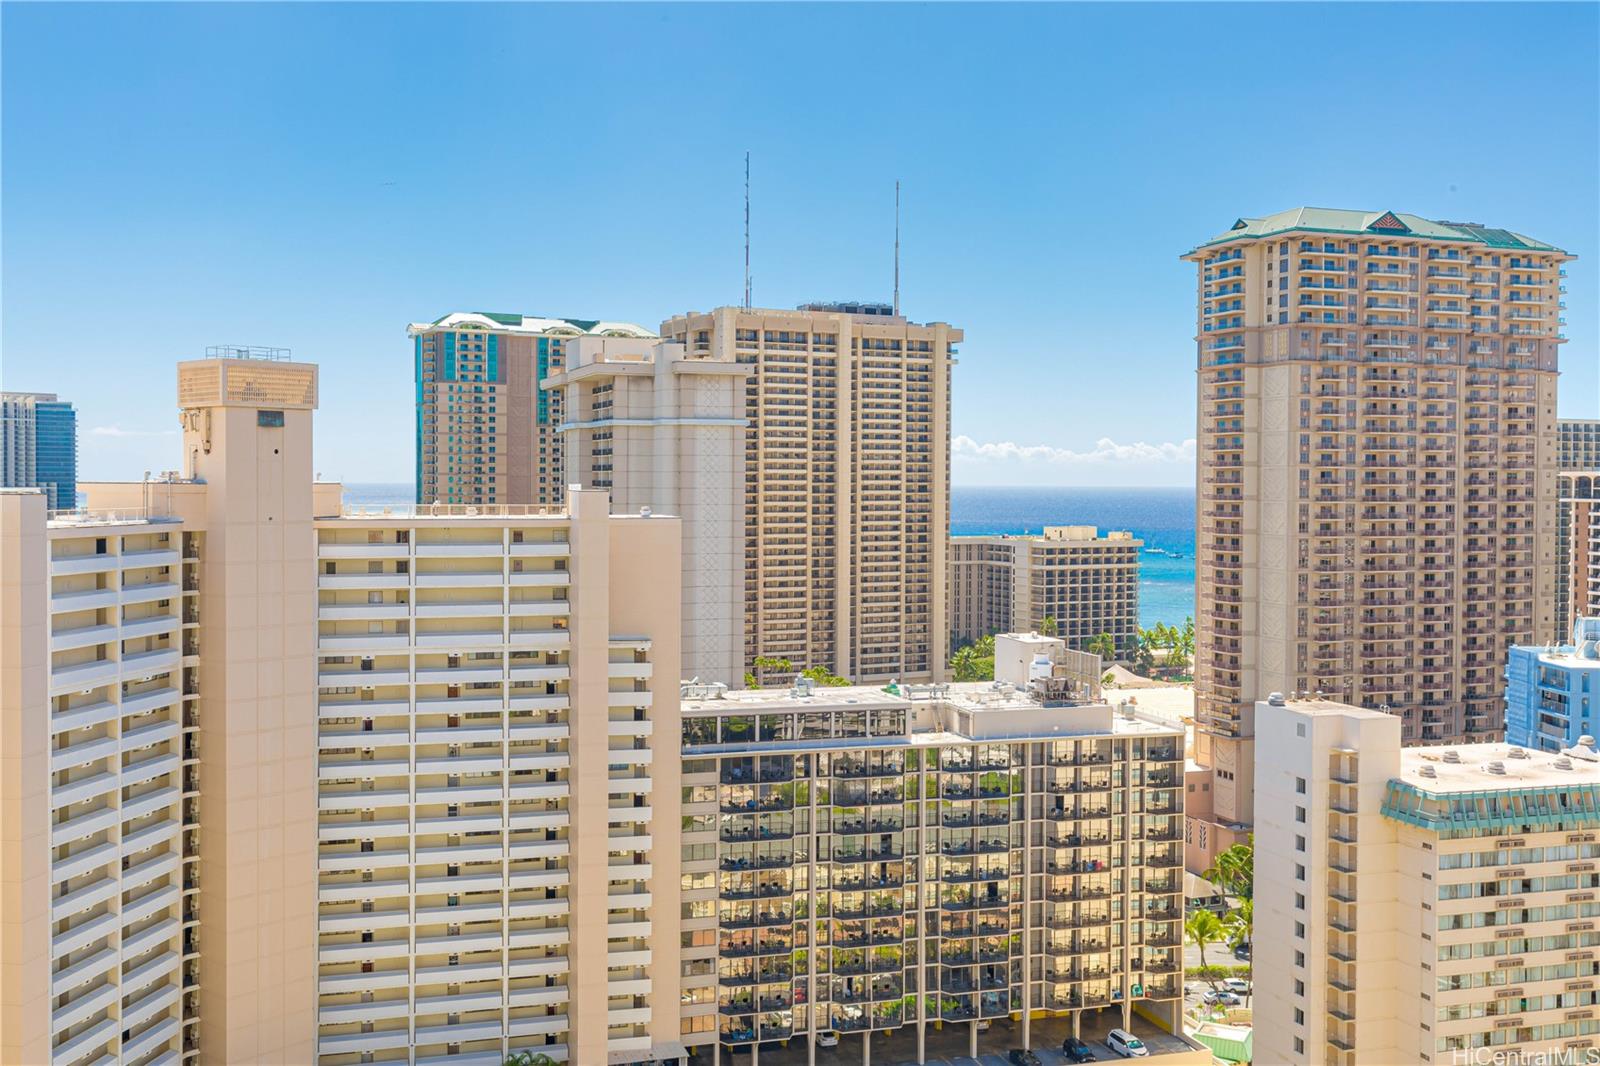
point(1222, 996)
point(1242, 951)
point(983, 1025)
point(1126, 1044)
point(1076, 1050)
point(1021, 1056)
point(828, 1039)
point(1237, 985)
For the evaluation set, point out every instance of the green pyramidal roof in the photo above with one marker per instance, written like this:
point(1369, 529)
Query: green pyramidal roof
point(1374, 224)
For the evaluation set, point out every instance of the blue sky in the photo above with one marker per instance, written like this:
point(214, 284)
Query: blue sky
point(318, 176)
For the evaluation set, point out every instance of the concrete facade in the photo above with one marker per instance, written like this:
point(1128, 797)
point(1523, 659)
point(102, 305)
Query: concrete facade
point(486, 427)
point(847, 483)
point(1087, 583)
point(966, 852)
point(1376, 470)
point(1430, 904)
point(665, 433)
point(289, 784)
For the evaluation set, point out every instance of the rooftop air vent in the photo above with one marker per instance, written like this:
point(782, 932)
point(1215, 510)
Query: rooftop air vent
point(1517, 753)
point(1562, 763)
point(1494, 767)
point(1452, 756)
point(1427, 770)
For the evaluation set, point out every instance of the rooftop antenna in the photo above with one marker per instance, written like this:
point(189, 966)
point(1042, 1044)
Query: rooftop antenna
point(747, 231)
point(897, 247)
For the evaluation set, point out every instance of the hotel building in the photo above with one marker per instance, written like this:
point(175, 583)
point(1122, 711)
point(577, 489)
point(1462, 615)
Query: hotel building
point(864, 860)
point(847, 483)
point(1426, 904)
point(39, 445)
point(1377, 461)
point(665, 433)
point(1577, 522)
point(1553, 691)
point(486, 428)
point(291, 785)
point(1086, 583)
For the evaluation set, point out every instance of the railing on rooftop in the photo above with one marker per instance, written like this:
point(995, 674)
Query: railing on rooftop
point(453, 510)
point(247, 351)
point(82, 516)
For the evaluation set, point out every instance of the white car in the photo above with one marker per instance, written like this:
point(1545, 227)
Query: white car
point(1126, 1044)
point(1222, 996)
point(1237, 985)
point(828, 1039)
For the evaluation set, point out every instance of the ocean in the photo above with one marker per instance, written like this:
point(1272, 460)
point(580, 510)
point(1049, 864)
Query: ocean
point(1162, 518)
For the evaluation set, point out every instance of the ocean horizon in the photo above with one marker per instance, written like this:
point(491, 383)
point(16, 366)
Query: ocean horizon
point(1162, 517)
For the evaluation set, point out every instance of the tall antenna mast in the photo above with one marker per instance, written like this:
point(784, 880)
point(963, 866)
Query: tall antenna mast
point(897, 247)
point(747, 231)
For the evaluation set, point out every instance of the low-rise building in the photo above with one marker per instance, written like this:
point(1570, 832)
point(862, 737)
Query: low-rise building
point(1432, 904)
point(1085, 583)
point(874, 860)
point(1553, 692)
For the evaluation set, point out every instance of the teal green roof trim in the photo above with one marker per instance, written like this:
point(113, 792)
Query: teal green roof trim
point(1549, 807)
point(1373, 224)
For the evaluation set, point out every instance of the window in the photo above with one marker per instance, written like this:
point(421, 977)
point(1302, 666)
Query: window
point(269, 419)
point(1299, 872)
point(1299, 958)
point(1299, 1016)
point(1299, 729)
point(1299, 843)
point(1299, 1046)
point(1299, 930)
point(1299, 987)
point(1300, 785)
point(1299, 901)
point(1300, 815)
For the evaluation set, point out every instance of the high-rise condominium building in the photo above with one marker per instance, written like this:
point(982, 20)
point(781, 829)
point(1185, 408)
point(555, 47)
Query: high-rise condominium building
point(1578, 443)
point(39, 446)
point(1553, 691)
point(486, 428)
point(290, 785)
point(883, 861)
point(665, 433)
point(1085, 583)
point(1426, 904)
point(1376, 470)
point(1577, 522)
point(847, 476)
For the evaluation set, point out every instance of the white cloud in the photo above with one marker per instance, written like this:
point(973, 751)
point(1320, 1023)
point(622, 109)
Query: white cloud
point(1105, 451)
point(118, 431)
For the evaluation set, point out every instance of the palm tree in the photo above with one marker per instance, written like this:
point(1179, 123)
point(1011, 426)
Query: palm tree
point(1048, 627)
point(1203, 929)
point(528, 1058)
point(1233, 871)
point(1240, 923)
point(1104, 646)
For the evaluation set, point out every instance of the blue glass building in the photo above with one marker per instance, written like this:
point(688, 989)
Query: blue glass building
point(1553, 693)
point(39, 446)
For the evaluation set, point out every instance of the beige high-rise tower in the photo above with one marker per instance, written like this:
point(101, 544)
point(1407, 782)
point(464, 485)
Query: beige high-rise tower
point(486, 428)
point(1377, 454)
point(847, 476)
point(665, 433)
point(290, 784)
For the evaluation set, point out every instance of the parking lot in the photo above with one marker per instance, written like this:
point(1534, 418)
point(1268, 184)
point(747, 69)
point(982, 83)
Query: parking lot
point(949, 1047)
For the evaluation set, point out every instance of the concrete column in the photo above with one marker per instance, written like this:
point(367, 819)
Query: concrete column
point(972, 1039)
point(922, 1041)
point(1077, 1017)
point(716, 1053)
point(755, 1045)
point(866, 1048)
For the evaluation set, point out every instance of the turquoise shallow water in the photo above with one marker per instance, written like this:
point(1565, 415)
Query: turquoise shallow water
point(1163, 518)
